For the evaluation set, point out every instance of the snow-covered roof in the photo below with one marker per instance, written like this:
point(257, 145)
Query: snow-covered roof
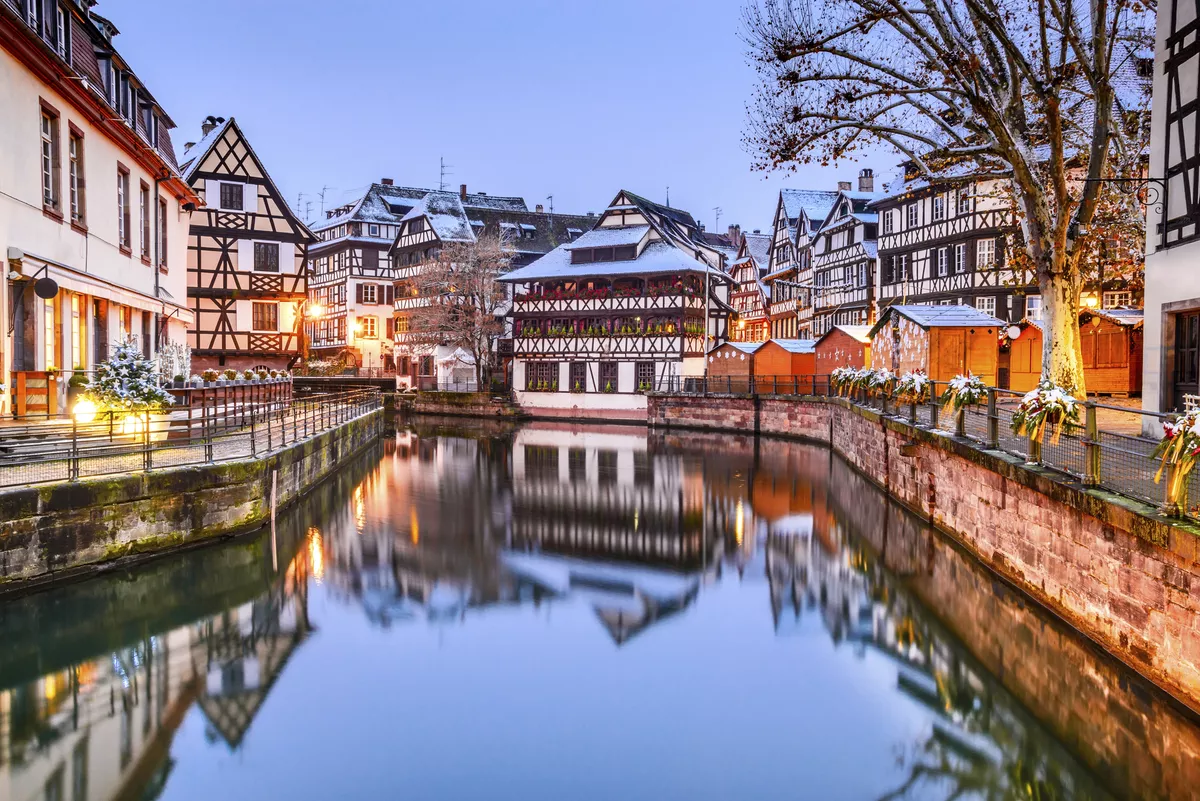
point(744, 347)
point(940, 317)
point(610, 237)
point(446, 216)
point(193, 155)
point(759, 246)
point(657, 257)
point(860, 332)
point(796, 345)
point(1127, 317)
point(386, 203)
point(815, 203)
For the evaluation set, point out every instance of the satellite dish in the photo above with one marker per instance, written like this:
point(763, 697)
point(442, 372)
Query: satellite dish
point(45, 288)
point(1014, 331)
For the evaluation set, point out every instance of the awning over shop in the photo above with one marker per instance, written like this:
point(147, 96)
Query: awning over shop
point(83, 283)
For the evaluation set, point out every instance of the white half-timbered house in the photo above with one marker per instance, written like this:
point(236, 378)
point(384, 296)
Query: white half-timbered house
point(625, 308)
point(351, 276)
point(91, 198)
point(947, 243)
point(247, 252)
point(749, 294)
point(843, 263)
point(799, 214)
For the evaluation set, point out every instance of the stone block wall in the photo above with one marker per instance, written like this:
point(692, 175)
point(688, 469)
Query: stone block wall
point(61, 530)
point(1112, 567)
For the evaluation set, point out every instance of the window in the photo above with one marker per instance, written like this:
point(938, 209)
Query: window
point(369, 293)
point(964, 201)
point(645, 377)
point(960, 258)
point(402, 324)
point(939, 206)
point(162, 234)
point(149, 122)
point(985, 254)
point(75, 178)
point(373, 230)
point(943, 262)
point(541, 376)
point(264, 317)
point(1033, 307)
point(124, 235)
point(608, 377)
point(144, 215)
point(49, 338)
point(61, 33)
point(369, 327)
point(77, 335)
point(1117, 300)
point(887, 221)
point(416, 226)
point(50, 163)
point(914, 215)
point(578, 377)
point(986, 305)
point(231, 197)
point(266, 257)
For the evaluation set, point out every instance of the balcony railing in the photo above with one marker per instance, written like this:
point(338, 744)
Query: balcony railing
point(672, 345)
point(549, 304)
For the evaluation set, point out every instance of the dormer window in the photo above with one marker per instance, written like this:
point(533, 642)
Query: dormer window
point(373, 230)
point(845, 212)
point(589, 255)
point(416, 226)
point(528, 231)
point(150, 123)
point(574, 233)
point(1145, 68)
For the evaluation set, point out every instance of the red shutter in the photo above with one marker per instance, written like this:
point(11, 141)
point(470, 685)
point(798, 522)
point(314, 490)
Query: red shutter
point(390, 296)
point(358, 293)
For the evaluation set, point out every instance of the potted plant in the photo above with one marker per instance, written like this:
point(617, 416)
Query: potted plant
point(1047, 404)
point(210, 376)
point(249, 375)
point(913, 387)
point(230, 375)
point(963, 391)
point(75, 387)
point(608, 387)
point(178, 381)
point(578, 387)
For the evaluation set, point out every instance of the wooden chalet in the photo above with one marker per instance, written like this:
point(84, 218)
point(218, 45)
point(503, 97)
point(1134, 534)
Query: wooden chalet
point(424, 359)
point(785, 358)
point(247, 255)
point(799, 214)
point(941, 341)
point(843, 260)
point(843, 346)
point(1111, 340)
point(626, 307)
point(730, 366)
point(750, 295)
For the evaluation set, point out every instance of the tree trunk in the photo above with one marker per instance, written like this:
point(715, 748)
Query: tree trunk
point(1062, 352)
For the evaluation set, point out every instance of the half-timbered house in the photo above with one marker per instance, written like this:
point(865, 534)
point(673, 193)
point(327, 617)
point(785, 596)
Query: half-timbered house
point(92, 199)
point(843, 260)
point(799, 214)
point(750, 295)
point(1171, 367)
point(247, 252)
point(623, 309)
point(423, 359)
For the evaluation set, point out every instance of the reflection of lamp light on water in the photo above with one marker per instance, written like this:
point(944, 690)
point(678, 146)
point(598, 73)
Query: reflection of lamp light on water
point(316, 554)
point(739, 524)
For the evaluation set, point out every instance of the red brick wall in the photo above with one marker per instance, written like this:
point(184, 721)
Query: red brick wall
point(1128, 580)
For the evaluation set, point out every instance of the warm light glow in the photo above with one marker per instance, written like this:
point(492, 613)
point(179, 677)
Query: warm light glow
point(315, 310)
point(85, 411)
point(316, 555)
point(358, 328)
point(741, 325)
point(50, 687)
point(414, 525)
point(738, 524)
point(133, 425)
point(1089, 301)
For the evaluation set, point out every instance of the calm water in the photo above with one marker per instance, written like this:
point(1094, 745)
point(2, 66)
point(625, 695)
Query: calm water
point(556, 612)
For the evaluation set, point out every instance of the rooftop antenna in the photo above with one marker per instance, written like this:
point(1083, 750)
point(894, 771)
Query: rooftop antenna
point(668, 196)
point(443, 171)
point(717, 218)
point(550, 200)
point(324, 189)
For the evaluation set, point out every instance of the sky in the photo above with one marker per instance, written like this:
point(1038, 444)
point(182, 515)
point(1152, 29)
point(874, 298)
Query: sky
point(533, 98)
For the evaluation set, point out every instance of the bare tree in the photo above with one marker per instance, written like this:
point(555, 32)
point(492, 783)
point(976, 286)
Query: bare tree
point(465, 299)
point(1039, 94)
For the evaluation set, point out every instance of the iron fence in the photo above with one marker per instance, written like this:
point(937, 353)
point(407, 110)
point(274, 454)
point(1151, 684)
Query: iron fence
point(112, 443)
point(1107, 449)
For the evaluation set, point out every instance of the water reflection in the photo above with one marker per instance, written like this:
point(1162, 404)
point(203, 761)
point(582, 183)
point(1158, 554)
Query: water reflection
point(663, 616)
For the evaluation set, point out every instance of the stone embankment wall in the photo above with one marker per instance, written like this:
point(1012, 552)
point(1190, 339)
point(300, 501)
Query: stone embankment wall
point(455, 404)
point(1113, 568)
point(69, 529)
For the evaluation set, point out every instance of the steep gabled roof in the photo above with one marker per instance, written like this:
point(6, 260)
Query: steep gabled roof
point(446, 216)
point(656, 258)
point(759, 246)
point(386, 203)
point(813, 203)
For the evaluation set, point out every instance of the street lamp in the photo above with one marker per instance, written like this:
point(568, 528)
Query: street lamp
point(308, 309)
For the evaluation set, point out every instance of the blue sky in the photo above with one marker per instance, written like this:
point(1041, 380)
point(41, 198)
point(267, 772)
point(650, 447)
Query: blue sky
point(523, 97)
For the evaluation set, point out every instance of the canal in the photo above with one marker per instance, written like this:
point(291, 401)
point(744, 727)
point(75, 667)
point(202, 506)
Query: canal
point(477, 610)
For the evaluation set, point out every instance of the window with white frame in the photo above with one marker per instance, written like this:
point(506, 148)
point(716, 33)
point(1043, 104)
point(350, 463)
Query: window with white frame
point(1117, 300)
point(369, 327)
point(987, 304)
point(49, 160)
point(60, 33)
point(373, 230)
point(369, 293)
point(964, 200)
point(960, 258)
point(985, 254)
point(75, 178)
point(887, 221)
point(1033, 307)
point(939, 206)
point(914, 215)
point(943, 262)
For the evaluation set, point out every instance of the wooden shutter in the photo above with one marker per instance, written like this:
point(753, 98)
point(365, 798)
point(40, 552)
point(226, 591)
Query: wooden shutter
point(1089, 349)
point(1000, 254)
point(370, 258)
point(358, 293)
point(390, 295)
point(391, 328)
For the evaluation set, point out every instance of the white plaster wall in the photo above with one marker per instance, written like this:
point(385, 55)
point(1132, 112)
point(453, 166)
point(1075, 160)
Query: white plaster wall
point(582, 402)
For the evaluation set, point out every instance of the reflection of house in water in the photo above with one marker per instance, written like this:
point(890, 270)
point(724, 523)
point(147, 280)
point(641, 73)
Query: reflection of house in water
point(102, 729)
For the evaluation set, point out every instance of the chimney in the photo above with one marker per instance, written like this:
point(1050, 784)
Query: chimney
point(735, 233)
point(758, 230)
point(537, 209)
point(591, 214)
point(843, 186)
point(386, 181)
point(866, 180)
point(462, 191)
point(207, 126)
point(701, 226)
